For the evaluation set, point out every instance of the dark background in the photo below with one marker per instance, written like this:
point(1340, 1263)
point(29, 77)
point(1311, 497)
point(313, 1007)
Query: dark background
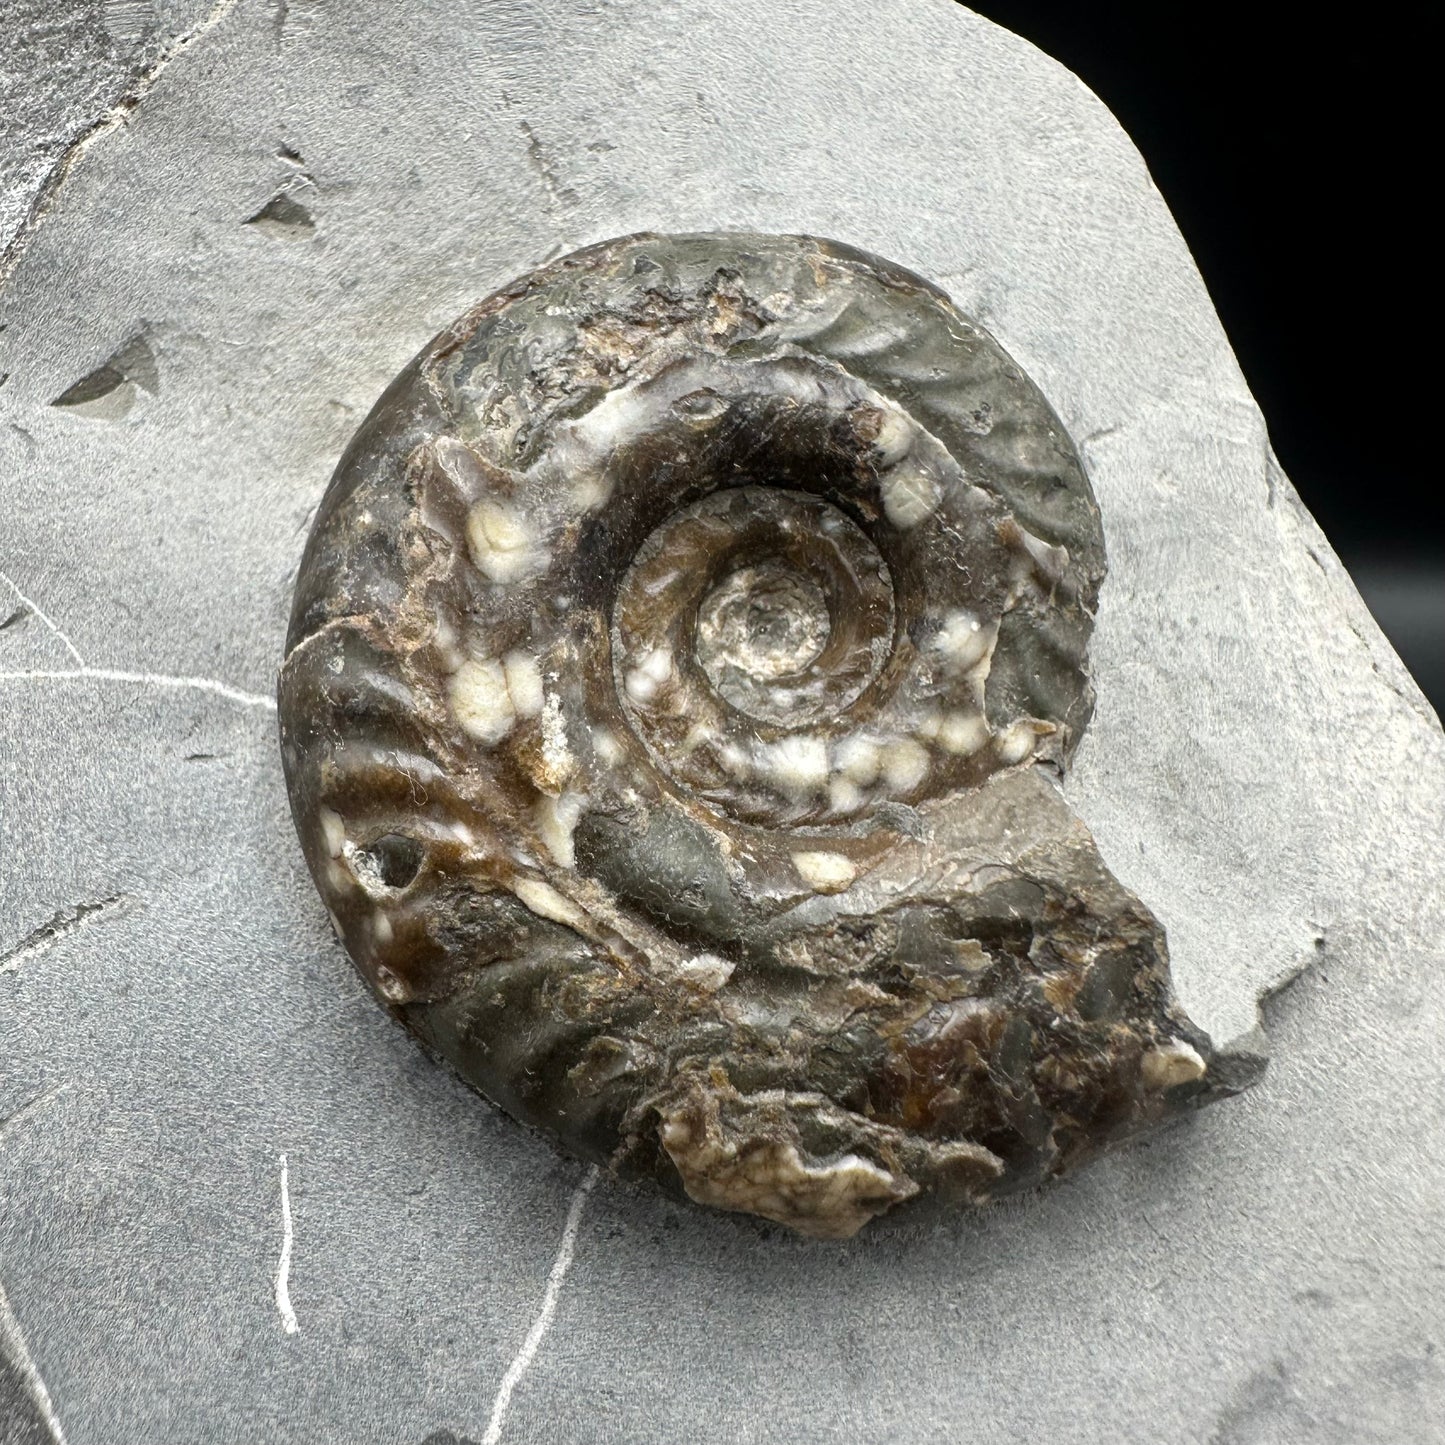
point(1293, 153)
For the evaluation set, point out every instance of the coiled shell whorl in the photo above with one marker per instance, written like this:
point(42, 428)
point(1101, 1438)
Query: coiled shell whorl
point(682, 661)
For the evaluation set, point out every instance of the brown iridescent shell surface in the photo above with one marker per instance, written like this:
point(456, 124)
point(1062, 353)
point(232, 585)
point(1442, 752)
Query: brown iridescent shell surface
point(684, 661)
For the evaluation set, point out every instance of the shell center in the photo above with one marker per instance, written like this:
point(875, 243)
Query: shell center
point(766, 620)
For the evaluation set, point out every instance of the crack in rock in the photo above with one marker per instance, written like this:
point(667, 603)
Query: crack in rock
point(112, 119)
point(65, 922)
point(29, 607)
point(543, 1322)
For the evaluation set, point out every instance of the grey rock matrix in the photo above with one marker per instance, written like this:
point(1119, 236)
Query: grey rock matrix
point(215, 290)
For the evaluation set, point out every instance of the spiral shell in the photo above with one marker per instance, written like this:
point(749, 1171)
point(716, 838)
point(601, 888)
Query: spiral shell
point(682, 658)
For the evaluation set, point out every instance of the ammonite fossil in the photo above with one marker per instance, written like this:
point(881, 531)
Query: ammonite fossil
point(682, 664)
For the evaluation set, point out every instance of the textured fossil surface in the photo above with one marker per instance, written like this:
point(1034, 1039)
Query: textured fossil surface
point(679, 667)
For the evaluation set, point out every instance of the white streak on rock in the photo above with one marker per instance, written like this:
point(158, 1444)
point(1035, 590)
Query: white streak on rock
point(112, 674)
point(283, 1265)
point(543, 1322)
point(44, 618)
point(20, 1354)
point(148, 679)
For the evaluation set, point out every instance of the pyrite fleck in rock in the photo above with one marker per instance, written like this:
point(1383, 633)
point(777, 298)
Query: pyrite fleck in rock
point(682, 662)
